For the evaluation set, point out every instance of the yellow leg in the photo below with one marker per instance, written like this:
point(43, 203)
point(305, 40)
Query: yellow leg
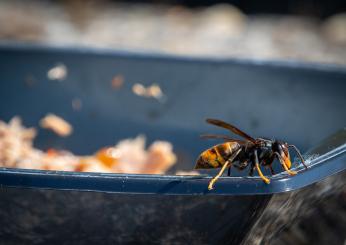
point(227, 164)
point(290, 172)
point(213, 180)
point(265, 179)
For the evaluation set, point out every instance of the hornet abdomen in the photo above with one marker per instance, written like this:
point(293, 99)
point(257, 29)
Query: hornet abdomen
point(216, 156)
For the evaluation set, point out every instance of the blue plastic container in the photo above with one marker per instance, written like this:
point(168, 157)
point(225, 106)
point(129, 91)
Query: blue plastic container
point(299, 103)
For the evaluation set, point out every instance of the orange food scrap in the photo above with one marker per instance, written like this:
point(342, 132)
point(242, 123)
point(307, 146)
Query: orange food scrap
point(117, 82)
point(52, 152)
point(108, 156)
point(56, 124)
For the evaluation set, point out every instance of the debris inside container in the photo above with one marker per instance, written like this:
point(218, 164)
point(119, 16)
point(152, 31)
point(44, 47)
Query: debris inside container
point(117, 82)
point(127, 156)
point(76, 104)
point(58, 72)
point(56, 124)
point(152, 91)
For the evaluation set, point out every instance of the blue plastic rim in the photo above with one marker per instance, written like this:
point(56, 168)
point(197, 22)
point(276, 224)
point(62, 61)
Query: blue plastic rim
point(319, 168)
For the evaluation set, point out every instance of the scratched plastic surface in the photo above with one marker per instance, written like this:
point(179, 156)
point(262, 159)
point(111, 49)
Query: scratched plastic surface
point(43, 207)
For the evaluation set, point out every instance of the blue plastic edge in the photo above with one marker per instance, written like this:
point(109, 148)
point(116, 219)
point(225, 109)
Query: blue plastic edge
point(319, 168)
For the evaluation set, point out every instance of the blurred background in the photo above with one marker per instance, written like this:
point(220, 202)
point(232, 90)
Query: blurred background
point(308, 30)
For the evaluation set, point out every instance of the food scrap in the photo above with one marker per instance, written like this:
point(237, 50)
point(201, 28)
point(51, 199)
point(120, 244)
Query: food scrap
point(152, 91)
point(127, 156)
point(56, 124)
point(15, 142)
point(76, 104)
point(117, 82)
point(58, 72)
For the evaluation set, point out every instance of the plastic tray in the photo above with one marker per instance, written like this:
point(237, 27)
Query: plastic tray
point(300, 103)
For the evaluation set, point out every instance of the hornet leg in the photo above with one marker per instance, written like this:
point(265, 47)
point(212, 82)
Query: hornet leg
point(300, 155)
point(265, 179)
point(290, 172)
point(227, 164)
point(252, 168)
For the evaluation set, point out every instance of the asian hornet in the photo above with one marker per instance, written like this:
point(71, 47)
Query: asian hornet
point(242, 153)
